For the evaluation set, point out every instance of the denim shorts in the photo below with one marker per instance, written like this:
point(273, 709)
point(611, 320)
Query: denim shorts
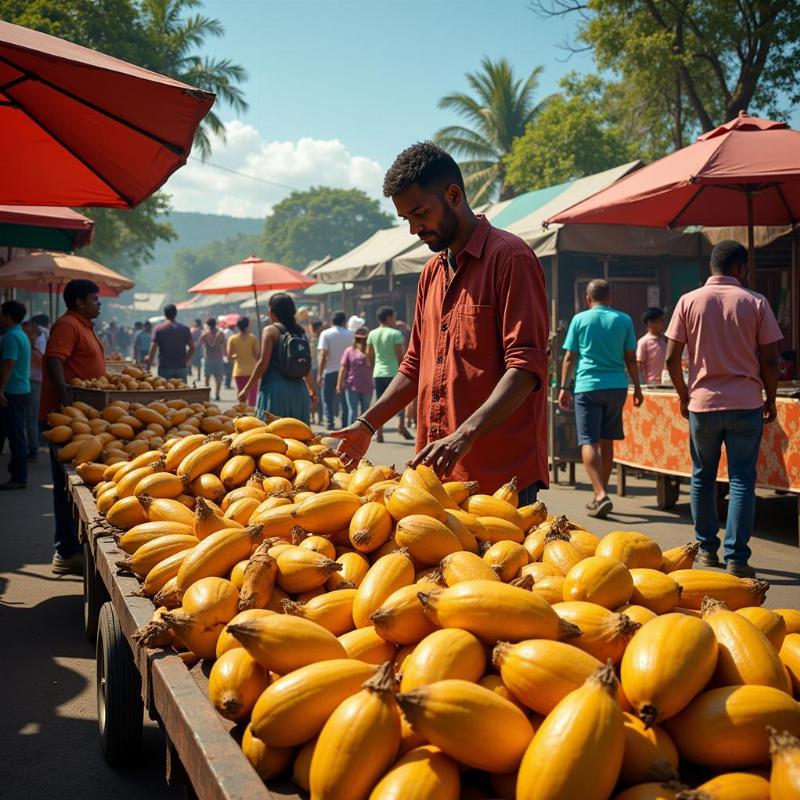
point(598, 415)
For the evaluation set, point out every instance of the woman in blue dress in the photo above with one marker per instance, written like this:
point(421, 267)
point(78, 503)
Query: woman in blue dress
point(278, 394)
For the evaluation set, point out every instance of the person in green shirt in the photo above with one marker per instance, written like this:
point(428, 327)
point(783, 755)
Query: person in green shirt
point(385, 352)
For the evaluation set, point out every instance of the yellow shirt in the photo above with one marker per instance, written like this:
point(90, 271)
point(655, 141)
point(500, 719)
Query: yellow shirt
point(241, 351)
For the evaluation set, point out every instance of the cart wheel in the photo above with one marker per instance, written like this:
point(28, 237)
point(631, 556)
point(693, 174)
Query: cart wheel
point(94, 595)
point(119, 703)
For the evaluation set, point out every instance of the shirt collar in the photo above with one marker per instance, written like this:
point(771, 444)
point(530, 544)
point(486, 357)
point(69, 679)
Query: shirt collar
point(723, 280)
point(475, 244)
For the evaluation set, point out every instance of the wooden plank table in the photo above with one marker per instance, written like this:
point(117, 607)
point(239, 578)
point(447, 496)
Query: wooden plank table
point(200, 741)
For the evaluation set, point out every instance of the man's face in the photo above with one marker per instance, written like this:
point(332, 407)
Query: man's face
point(430, 215)
point(656, 326)
point(89, 306)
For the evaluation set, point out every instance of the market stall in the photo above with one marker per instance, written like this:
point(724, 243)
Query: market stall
point(657, 440)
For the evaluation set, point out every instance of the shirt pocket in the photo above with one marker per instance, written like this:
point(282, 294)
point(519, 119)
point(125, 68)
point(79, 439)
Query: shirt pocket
point(476, 329)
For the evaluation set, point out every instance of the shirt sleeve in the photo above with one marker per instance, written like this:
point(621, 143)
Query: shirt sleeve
point(397, 337)
point(630, 336)
point(345, 362)
point(523, 316)
point(10, 348)
point(571, 339)
point(769, 331)
point(641, 351)
point(410, 363)
point(322, 345)
point(677, 325)
point(62, 342)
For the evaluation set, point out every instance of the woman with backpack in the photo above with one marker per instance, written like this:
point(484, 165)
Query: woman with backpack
point(284, 366)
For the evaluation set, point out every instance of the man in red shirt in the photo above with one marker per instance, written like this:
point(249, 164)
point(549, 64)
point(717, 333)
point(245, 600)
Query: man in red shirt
point(477, 359)
point(73, 351)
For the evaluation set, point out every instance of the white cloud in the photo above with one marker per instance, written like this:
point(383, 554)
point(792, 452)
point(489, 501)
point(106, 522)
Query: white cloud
point(299, 165)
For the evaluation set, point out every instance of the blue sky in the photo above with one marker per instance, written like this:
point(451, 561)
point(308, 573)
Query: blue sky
point(337, 88)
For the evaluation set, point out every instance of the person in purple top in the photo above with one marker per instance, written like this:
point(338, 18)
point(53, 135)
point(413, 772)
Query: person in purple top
point(174, 344)
point(355, 378)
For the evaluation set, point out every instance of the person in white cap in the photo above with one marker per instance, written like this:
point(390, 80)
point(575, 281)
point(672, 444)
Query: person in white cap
point(355, 322)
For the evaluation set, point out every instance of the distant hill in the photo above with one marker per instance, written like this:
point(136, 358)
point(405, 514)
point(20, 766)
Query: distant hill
point(193, 230)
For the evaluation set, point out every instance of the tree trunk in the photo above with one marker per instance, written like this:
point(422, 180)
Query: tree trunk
point(678, 114)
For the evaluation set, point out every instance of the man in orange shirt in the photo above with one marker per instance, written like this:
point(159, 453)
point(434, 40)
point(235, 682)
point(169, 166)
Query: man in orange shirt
point(73, 351)
point(477, 359)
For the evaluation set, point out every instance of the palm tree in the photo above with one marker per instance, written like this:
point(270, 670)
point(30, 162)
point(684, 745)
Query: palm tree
point(499, 112)
point(173, 37)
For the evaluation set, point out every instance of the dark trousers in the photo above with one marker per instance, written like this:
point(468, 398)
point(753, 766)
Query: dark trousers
point(381, 385)
point(66, 536)
point(330, 397)
point(14, 420)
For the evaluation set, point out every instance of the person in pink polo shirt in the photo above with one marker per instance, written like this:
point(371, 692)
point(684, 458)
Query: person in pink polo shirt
point(731, 336)
point(651, 349)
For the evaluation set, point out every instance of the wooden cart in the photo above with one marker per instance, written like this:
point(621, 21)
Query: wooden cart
point(203, 749)
point(100, 398)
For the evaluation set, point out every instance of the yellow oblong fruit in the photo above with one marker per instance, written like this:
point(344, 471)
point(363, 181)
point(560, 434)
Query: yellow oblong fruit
point(604, 634)
point(236, 471)
point(365, 644)
point(181, 449)
point(255, 443)
point(294, 708)
point(506, 559)
point(495, 611)
point(241, 510)
point(226, 641)
point(652, 791)
point(770, 623)
point(207, 457)
point(791, 617)
point(217, 554)
point(208, 520)
point(300, 569)
point(655, 590)
point(370, 527)
point(735, 786)
point(459, 491)
point(268, 762)
point(235, 683)
point(443, 654)
point(385, 576)
point(584, 731)
point(484, 505)
point(650, 755)
point(333, 610)
point(633, 549)
point(560, 553)
point(679, 557)
point(726, 728)
point(746, 656)
point(160, 484)
point(471, 724)
point(405, 501)
point(428, 540)
point(790, 656)
point(465, 566)
point(151, 553)
point(427, 480)
point(165, 570)
point(354, 569)
point(281, 643)
point(734, 592)
point(424, 773)
point(126, 512)
point(666, 664)
point(601, 580)
point(358, 743)
point(290, 428)
point(497, 529)
point(135, 537)
point(164, 509)
point(328, 512)
point(636, 613)
point(550, 588)
point(401, 618)
point(784, 748)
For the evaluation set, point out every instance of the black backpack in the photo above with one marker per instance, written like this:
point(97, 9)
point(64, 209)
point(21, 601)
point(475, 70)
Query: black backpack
point(294, 353)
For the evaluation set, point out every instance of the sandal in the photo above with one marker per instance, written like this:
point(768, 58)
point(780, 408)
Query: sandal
point(600, 508)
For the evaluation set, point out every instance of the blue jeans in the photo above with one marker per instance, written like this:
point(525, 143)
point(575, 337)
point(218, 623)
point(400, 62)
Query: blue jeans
point(14, 419)
point(331, 399)
point(740, 431)
point(357, 403)
point(32, 421)
point(381, 385)
point(66, 535)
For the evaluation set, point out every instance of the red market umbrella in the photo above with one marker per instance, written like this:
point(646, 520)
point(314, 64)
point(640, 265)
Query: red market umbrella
point(745, 172)
point(79, 128)
point(44, 227)
point(254, 275)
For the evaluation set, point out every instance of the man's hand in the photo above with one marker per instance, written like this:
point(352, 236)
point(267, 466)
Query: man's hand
point(353, 442)
point(3, 400)
point(684, 402)
point(770, 411)
point(565, 399)
point(241, 396)
point(443, 455)
point(638, 397)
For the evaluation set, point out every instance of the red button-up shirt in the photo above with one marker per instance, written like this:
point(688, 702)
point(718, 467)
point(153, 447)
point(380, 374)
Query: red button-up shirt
point(468, 330)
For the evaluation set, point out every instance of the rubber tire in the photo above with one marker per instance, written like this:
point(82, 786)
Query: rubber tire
point(120, 711)
point(94, 595)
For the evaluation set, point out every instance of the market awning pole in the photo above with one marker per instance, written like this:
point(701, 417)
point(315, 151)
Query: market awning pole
point(751, 242)
point(258, 315)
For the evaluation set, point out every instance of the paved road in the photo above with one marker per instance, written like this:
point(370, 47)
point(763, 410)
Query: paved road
point(48, 729)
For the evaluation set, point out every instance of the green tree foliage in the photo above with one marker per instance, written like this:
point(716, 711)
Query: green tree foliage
point(691, 64)
point(499, 110)
point(192, 264)
point(161, 35)
point(570, 138)
point(321, 221)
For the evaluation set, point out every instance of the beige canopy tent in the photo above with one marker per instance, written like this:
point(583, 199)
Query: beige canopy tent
point(45, 271)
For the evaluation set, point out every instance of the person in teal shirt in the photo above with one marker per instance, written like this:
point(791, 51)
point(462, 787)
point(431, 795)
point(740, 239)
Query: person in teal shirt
point(15, 390)
point(602, 342)
point(385, 352)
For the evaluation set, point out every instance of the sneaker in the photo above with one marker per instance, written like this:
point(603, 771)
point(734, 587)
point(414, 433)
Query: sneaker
point(600, 508)
point(707, 558)
point(741, 569)
point(68, 566)
point(12, 485)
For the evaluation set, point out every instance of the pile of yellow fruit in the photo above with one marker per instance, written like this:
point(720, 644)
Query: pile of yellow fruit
point(391, 636)
point(129, 379)
point(93, 440)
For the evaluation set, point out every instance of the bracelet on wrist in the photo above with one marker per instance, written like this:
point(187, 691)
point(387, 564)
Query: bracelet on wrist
point(368, 425)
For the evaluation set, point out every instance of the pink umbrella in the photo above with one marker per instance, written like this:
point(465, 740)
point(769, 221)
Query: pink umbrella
point(254, 275)
point(746, 171)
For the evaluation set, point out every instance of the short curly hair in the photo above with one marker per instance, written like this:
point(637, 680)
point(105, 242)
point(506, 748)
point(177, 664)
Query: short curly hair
point(423, 163)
